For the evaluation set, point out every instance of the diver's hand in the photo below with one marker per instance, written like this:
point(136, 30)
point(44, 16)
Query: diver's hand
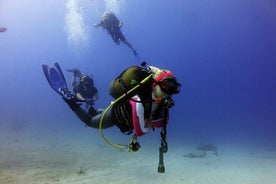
point(76, 72)
point(120, 24)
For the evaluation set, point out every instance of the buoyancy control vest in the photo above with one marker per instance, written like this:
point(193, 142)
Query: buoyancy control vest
point(127, 80)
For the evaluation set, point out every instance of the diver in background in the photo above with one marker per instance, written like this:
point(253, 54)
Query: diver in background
point(113, 26)
point(3, 29)
point(83, 87)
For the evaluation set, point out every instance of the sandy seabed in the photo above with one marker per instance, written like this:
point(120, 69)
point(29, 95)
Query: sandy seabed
point(82, 157)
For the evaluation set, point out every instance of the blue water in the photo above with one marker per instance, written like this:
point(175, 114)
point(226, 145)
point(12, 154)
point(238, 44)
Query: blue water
point(222, 52)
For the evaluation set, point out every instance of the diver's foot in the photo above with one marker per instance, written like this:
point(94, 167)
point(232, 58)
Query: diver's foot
point(65, 93)
point(70, 99)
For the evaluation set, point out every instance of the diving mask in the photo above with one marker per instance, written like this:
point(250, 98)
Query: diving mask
point(170, 86)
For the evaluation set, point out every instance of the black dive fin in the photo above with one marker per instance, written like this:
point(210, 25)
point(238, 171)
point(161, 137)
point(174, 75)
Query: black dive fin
point(55, 77)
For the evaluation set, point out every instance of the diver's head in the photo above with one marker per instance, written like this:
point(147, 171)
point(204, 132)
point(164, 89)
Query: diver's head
point(165, 85)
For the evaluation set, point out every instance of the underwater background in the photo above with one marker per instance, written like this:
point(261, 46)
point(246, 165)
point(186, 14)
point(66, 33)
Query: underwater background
point(222, 52)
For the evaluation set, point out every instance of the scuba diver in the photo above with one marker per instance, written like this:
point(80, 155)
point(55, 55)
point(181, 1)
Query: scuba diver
point(143, 96)
point(83, 87)
point(3, 29)
point(113, 25)
point(142, 99)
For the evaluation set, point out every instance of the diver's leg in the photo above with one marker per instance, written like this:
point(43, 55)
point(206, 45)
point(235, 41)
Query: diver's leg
point(90, 120)
point(116, 39)
point(130, 46)
point(94, 121)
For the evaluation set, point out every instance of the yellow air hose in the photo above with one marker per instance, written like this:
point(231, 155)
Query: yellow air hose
point(111, 105)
